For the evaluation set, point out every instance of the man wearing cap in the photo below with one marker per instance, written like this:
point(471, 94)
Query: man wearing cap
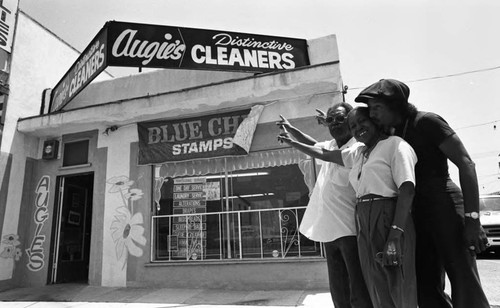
point(446, 218)
point(329, 217)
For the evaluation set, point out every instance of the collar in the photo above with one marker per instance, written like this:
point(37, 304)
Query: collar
point(346, 145)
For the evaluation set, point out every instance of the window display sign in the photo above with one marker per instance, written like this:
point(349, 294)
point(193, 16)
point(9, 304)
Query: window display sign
point(212, 191)
point(193, 138)
point(156, 46)
point(189, 231)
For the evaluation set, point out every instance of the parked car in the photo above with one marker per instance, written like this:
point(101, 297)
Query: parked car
point(489, 208)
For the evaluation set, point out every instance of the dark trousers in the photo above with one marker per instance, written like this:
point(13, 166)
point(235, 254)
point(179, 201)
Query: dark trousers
point(347, 285)
point(438, 214)
point(389, 286)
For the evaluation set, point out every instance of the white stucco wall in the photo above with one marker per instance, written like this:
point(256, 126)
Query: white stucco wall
point(39, 60)
point(150, 83)
point(118, 144)
point(305, 85)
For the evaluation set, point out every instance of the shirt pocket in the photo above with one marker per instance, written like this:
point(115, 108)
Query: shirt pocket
point(340, 175)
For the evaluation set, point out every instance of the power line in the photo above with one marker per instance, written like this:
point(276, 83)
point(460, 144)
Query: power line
point(444, 76)
point(457, 74)
point(480, 124)
point(448, 76)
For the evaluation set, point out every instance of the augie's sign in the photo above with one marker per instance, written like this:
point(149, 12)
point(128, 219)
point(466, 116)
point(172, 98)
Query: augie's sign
point(172, 47)
point(142, 45)
point(90, 64)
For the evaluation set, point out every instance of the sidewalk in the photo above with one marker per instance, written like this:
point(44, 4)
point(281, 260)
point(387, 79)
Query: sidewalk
point(78, 295)
point(81, 296)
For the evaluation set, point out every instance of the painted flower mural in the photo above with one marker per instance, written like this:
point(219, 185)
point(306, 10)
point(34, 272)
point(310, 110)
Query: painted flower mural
point(134, 194)
point(120, 183)
point(11, 239)
point(10, 250)
point(126, 228)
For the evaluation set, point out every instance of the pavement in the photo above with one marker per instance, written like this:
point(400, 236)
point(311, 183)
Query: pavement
point(78, 295)
point(84, 296)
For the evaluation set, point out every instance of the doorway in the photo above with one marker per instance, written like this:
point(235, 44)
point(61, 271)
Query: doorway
point(72, 229)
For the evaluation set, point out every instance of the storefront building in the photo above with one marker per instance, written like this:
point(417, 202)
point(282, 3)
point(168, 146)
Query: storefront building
point(175, 178)
point(36, 60)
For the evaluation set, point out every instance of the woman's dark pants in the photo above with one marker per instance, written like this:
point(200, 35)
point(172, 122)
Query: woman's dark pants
point(347, 285)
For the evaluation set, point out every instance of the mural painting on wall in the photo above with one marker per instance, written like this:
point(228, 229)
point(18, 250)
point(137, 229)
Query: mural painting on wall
point(126, 229)
point(10, 250)
point(35, 253)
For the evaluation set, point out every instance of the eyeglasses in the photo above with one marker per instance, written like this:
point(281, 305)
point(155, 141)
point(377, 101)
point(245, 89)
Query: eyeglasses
point(339, 118)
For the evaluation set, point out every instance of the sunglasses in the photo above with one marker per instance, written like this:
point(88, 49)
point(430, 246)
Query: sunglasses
point(336, 119)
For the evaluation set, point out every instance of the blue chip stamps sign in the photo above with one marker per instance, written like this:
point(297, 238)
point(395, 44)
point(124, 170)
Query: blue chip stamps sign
point(196, 138)
point(155, 46)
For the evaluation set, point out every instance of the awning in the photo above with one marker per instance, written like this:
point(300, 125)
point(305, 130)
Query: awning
point(254, 160)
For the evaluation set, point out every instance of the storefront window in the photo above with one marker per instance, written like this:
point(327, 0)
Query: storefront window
point(243, 214)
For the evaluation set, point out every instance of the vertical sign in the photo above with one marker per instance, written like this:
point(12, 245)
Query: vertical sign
point(89, 64)
point(8, 13)
point(36, 252)
point(191, 230)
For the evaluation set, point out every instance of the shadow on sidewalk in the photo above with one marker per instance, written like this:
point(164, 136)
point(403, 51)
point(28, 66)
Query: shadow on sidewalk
point(85, 293)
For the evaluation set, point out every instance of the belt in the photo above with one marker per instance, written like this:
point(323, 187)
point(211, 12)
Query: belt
point(370, 199)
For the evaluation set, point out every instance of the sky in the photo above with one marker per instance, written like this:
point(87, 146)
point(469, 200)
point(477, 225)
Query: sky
point(447, 51)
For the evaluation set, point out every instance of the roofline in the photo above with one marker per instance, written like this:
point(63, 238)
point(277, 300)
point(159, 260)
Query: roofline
point(180, 90)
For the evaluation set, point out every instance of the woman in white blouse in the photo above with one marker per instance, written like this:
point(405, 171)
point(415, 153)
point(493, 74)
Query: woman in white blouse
point(382, 174)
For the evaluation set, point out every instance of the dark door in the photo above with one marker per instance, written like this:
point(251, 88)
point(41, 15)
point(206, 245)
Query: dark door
point(74, 223)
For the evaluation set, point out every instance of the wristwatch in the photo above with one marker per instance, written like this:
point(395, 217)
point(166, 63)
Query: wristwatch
point(473, 215)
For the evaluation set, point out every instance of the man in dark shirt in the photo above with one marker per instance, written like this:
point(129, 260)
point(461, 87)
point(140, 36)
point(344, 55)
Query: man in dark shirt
point(447, 223)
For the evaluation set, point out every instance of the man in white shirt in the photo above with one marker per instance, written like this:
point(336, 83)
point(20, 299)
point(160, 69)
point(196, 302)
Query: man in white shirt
point(329, 217)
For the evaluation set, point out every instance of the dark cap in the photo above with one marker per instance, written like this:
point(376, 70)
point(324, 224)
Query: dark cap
point(390, 89)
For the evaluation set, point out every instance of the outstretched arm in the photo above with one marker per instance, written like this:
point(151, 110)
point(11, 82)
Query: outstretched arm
point(295, 132)
point(334, 156)
point(474, 235)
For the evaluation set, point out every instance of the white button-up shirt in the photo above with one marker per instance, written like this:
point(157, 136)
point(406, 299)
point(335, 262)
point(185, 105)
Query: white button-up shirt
point(330, 211)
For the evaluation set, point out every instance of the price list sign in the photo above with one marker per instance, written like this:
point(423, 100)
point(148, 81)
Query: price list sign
point(190, 231)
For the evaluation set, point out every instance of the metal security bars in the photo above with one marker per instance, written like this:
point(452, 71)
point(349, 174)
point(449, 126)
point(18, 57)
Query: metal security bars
point(239, 235)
